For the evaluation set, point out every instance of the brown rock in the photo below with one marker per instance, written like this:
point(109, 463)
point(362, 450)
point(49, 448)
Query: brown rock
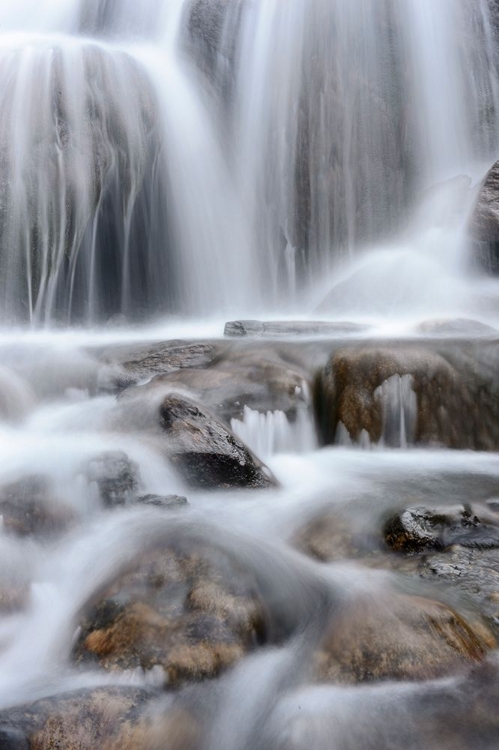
point(191, 612)
point(399, 637)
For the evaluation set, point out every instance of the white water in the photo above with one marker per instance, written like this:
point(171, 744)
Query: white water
point(289, 166)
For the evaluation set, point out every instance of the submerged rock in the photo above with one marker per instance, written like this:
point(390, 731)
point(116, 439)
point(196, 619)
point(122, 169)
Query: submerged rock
point(116, 476)
point(104, 717)
point(163, 501)
point(186, 609)
point(28, 508)
point(399, 637)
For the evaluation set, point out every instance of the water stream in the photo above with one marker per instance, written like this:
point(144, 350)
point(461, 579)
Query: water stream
point(168, 165)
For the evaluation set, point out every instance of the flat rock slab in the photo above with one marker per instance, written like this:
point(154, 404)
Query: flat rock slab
point(275, 329)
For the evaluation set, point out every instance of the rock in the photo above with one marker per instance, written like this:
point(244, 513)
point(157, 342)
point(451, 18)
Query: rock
point(484, 222)
point(103, 718)
point(163, 501)
point(399, 637)
point(472, 571)
point(189, 610)
point(418, 530)
point(138, 362)
point(27, 508)
point(454, 403)
point(275, 329)
point(259, 378)
point(13, 739)
point(456, 327)
point(116, 476)
point(205, 452)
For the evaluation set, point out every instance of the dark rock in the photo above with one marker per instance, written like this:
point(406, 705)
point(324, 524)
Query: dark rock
point(276, 329)
point(456, 403)
point(163, 501)
point(418, 530)
point(116, 476)
point(13, 739)
point(484, 223)
point(188, 609)
point(399, 637)
point(28, 508)
point(205, 452)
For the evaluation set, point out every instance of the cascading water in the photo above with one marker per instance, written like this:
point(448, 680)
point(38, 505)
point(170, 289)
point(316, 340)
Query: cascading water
point(150, 186)
point(165, 162)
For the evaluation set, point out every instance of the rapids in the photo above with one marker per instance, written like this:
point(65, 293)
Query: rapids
point(167, 166)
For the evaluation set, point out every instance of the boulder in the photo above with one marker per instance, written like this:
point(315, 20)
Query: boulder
point(399, 637)
point(28, 508)
point(116, 476)
point(484, 222)
point(205, 452)
point(454, 403)
point(108, 718)
point(422, 529)
point(187, 609)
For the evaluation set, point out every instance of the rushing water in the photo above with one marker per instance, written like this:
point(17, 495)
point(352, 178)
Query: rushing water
point(165, 164)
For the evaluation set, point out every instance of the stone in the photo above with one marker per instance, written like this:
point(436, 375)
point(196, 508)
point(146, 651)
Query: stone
point(170, 502)
point(102, 717)
point(456, 403)
point(417, 530)
point(187, 609)
point(276, 329)
point(28, 508)
point(116, 476)
point(205, 452)
point(399, 637)
point(484, 222)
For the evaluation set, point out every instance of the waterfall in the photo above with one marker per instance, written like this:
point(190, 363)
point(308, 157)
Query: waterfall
point(190, 157)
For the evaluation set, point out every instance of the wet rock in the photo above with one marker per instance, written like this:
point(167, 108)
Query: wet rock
point(456, 404)
point(472, 571)
point(189, 610)
point(399, 637)
point(421, 529)
point(456, 327)
point(205, 452)
point(116, 476)
point(484, 223)
point(28, 508)
point(84, 720)
point(255, 377)
point(275, 329)
point(150, 359)
point(163, 501)
point(13, 739)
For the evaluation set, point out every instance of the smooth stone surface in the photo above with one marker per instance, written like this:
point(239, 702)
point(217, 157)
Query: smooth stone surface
point(290, 328)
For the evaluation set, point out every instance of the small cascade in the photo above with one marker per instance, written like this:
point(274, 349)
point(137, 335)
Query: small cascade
point(400, 408)
point(267, 434)
point(399, 411)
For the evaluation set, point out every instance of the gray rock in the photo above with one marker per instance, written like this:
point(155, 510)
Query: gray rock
point(204, 451)
point(418, 530)
point(484, 223)
point(277, 329)
point(116, 476)
point(163, 501)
